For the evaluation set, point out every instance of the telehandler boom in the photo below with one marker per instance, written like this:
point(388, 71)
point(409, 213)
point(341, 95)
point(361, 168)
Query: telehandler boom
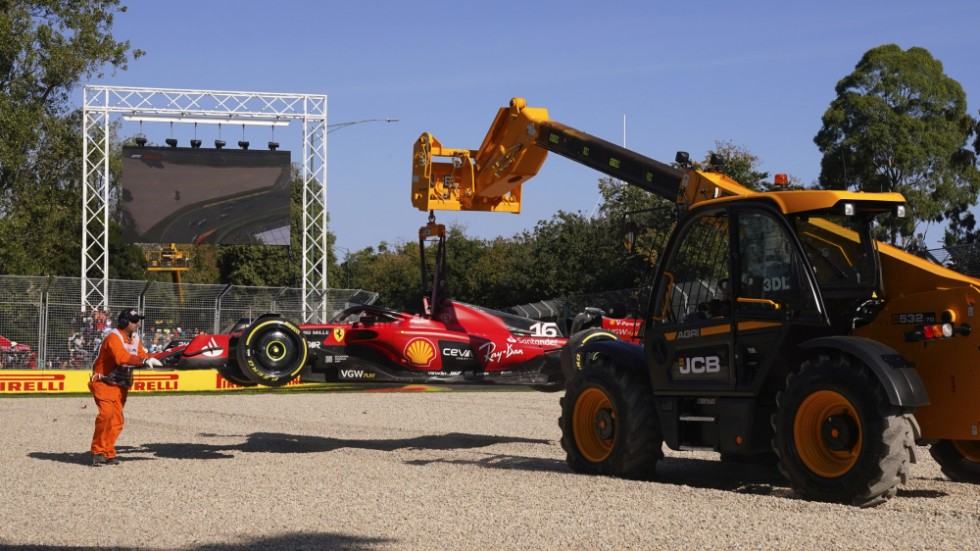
point(777, 325)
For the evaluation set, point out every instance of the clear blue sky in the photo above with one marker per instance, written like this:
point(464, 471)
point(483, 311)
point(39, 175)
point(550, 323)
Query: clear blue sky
point(683, 74)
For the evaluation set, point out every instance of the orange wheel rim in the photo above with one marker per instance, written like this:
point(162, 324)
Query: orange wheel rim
point(969, 449)
point(827, 434)
point(593, 424)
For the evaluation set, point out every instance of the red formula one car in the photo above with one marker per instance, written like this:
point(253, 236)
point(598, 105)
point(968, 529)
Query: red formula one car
point(450, 343)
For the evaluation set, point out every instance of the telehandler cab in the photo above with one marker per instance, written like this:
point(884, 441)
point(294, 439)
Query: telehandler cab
point(777, 325)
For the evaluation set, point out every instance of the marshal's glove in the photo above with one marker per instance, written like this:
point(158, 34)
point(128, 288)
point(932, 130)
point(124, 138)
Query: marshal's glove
point(152, 363)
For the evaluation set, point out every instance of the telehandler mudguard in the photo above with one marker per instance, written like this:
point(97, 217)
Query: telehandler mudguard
point(897, 375)
point(623, 353)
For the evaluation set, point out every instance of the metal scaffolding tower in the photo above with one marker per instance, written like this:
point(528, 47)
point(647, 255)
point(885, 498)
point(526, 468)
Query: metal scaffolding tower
point(101, 103)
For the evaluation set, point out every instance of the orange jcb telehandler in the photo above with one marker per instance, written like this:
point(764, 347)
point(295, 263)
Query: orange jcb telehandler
point(776, 325)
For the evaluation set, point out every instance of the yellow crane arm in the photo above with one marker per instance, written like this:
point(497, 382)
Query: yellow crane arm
point(515, 148)
point(487, 179)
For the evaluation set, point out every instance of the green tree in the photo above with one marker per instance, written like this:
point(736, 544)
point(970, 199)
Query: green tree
point(569, 255)
point(493, 280)
point(900, 124)
point(463, 256)
point(573, 255)
point(393, 273)
point(962, 228)
point(739, 164)
point(46, 48)
point(637, 212)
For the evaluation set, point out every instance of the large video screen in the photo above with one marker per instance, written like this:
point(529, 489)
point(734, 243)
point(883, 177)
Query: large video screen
point(220, 196)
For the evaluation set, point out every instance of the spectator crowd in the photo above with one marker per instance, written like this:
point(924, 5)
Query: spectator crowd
point(88, 329)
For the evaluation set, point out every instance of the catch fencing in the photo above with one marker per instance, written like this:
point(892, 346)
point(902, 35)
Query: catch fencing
point(43, 326)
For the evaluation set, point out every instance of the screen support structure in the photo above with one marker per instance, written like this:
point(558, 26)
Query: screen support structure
point(168, 105)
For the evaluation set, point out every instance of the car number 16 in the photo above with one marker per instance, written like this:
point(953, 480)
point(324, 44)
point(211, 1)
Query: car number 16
point(544, 329)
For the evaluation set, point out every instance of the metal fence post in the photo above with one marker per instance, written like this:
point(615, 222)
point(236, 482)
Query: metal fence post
point(276, 298)
point(42, 318)
point(141, 302)
point(217, 308)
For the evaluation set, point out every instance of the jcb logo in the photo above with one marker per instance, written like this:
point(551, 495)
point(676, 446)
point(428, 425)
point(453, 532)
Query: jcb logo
point(699, 365)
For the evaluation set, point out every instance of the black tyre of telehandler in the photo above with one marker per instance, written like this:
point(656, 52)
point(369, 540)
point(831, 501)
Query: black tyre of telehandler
point(609, 424)
point(271, 351)
point(572, 360)
point(837, 437)
point(958, 459)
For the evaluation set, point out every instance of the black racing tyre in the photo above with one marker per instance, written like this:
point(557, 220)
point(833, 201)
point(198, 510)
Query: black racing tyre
point(837, 437)
point(958, 459)
point(271, 351)
point(609, 423)
point(233, 374)
point(573, 361)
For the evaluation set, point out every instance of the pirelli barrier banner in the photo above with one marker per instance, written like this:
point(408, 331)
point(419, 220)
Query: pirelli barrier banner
point(52, 381)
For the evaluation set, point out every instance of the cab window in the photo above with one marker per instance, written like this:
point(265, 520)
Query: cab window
point(695, 283)
point(837, 253)
point(772, 273)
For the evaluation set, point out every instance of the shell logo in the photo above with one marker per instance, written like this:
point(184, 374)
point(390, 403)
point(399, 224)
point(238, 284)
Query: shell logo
point(420, 352)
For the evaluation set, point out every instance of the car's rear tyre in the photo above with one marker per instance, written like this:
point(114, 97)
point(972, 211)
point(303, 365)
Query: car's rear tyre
point(609, 424)
point(958, 459)
point(572, 360)
point(271, 351)
point(837, 437)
